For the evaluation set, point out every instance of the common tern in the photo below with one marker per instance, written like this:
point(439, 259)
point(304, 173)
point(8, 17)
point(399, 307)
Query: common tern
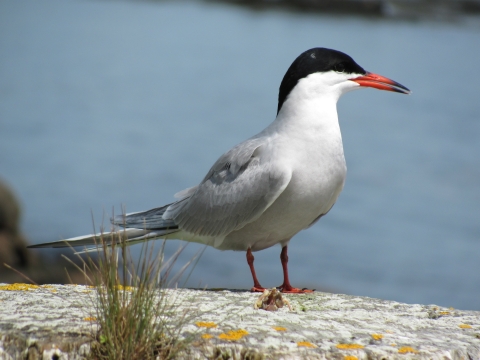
point(266, 189)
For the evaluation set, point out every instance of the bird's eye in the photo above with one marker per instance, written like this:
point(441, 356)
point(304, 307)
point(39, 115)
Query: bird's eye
point(339, 68)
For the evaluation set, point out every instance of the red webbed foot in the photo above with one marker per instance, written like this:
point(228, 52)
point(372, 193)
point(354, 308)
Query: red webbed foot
point(291, 290)
point(257, 289)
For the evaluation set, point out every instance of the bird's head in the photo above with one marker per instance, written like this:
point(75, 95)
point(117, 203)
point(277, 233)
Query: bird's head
point(321, 71)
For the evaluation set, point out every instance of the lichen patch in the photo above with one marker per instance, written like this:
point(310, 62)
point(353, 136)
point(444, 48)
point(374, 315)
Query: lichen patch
point(206, 324)
point(19, 287)
point(406, 350)
point(233, 335)
point(306, 344)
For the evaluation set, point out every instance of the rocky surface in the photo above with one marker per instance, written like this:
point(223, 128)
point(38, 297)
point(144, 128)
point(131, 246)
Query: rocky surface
point(57, 322)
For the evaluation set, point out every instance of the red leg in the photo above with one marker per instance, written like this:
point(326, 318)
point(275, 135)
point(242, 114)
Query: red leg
point(286, 287)
point(256, 285)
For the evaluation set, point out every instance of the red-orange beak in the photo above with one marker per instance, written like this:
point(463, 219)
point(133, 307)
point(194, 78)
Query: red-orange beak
point(380, 82)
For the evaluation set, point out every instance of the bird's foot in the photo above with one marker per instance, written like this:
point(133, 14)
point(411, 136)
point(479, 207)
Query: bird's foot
point(291, 290)
point(257, 289)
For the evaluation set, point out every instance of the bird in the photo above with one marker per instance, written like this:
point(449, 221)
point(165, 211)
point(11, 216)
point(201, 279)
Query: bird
point(271, 186)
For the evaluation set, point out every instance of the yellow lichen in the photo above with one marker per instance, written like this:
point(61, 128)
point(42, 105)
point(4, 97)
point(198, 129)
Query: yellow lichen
point(206, 324)
point(279, 328)
point(26, 287)
point(407, 349)
point(393, 344)
point(126, 288)
point(18, 287)
point(233, 335)
point(207, 336)
point(464, 326)
point(90, 318)
point(349, 346)
point(350, 357)
point(377, 336)
point(444, 312)
point(49, 287)
point(306, 344)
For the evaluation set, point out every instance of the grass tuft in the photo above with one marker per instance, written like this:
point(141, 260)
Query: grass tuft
point(135, 317)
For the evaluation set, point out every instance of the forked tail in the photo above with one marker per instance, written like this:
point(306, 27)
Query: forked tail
point(137, 227)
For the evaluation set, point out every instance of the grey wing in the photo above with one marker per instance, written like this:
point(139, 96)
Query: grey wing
point(152, 219)
point(237, 190)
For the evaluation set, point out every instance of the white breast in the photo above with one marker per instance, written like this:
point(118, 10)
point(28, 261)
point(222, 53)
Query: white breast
point(306, 138)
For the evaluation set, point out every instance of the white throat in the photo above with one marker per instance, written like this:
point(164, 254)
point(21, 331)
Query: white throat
point(312, 103)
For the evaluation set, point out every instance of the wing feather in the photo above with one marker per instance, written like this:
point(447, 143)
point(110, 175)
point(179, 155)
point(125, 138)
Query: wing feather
point(236, 191)
point(146, 220)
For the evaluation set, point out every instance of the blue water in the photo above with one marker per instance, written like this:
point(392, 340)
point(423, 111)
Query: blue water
point(110, 103)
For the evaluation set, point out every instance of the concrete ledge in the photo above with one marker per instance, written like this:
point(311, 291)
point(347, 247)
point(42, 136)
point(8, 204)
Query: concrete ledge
point(55, 321)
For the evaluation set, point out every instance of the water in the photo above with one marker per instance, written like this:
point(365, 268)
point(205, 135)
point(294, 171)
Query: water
point(109, 103)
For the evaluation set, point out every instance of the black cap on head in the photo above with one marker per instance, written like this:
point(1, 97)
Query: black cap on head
point(313, 61)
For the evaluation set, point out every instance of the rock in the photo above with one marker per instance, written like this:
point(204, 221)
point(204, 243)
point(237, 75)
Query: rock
point(60, 319)
point(12, 243)
point(40, 267)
